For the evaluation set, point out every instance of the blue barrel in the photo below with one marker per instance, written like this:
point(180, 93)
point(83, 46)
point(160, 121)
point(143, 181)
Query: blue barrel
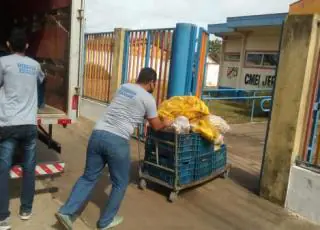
point(180, 61)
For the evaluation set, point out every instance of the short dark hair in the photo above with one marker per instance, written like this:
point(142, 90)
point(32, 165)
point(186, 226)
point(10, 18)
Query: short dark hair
point(146, 76)
point(18, 40)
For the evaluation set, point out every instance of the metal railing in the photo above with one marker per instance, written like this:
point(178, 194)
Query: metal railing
point(149, 48)
point(262, 104)
point(311, 140)
point(240, 95)
point(98, 66)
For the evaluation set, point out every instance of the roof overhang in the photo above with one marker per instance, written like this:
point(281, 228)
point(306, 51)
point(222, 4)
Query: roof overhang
point(234, 24)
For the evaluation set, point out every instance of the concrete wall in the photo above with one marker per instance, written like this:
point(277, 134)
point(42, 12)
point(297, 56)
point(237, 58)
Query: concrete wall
point(303, 194)
point(233, 44)
point(91, 109)
point(235, 74)
point(290, 103)
point(212, 74)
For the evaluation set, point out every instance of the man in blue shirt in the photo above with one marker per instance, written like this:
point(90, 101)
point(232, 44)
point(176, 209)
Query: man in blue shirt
point(19, 76)
point(109, 145)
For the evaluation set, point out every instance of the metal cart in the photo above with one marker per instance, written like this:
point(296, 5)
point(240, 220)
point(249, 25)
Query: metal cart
point(174, 184)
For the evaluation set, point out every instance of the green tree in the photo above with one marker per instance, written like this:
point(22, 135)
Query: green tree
point(214, 49)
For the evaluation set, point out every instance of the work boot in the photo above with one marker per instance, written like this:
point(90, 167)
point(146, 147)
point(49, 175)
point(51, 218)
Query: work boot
point(65, 220)
point(4, 224)
point(25, 215)
point(116, 221)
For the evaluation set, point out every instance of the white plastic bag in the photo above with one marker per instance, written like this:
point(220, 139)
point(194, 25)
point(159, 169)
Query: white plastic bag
point(219, 140)
point(181, 125)
point(219, 123)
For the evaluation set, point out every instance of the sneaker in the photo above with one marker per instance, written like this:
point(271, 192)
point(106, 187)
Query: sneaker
point(116, 221)
point(4, 224)
point(65, 220)
point(25, 215)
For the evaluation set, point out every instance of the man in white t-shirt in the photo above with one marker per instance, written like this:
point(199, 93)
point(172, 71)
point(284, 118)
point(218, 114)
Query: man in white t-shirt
point(109, 145)
point(19, 77)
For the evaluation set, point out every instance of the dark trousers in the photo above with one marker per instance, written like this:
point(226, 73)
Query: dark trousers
point(26, 137)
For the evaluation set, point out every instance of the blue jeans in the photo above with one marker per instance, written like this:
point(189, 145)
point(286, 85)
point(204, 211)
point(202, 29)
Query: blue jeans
point(104, 148)
point(26, 137)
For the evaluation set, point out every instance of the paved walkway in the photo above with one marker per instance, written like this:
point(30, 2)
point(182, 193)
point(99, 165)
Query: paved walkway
point(245, 148)
point(43, 216)
point(218, 205)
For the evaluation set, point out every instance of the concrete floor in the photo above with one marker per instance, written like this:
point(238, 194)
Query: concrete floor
point(218, 205)
point(43, 214)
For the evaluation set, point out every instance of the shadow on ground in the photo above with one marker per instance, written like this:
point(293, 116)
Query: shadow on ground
point(245, 179)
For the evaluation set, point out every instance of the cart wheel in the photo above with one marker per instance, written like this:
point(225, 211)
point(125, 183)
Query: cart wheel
point(173, 196)
point(142, 184)
point(225, 175)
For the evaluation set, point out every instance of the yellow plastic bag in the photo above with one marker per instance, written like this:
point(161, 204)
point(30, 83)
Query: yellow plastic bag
point(188, 106)
point(204, 127)
point(194, 109)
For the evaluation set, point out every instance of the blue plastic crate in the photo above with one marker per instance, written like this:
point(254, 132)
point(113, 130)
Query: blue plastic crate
point(204, 166)
point(185, 142)
point(220, 158)
point(167, 136)
point(184, 152)
point(163, 161)
point(185, 173)
point(205, 147)
point(169, 161)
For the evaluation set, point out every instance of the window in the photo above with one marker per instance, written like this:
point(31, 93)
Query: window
point(262, 60)
point(233, 57)
point(270, 60)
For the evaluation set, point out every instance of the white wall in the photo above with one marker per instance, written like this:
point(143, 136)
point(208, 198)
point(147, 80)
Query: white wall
point(230, 72)
point(212, 74)
point(91, 109)
point(303, 195)
point(234, 74)
point(233, 44)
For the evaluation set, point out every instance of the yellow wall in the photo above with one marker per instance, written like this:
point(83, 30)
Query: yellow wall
point(305, 7)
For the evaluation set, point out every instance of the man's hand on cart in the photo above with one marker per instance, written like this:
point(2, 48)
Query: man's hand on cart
point(167, 122)
point(158, 124)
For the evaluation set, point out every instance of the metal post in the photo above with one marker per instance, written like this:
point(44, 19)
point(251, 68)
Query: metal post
point(180, 59)
point(253, 106)
point(157, 151)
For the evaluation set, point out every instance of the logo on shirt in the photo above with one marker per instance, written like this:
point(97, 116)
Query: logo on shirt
point(127, 92)
point(27, 69)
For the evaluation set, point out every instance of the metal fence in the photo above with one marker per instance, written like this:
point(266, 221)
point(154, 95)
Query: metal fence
point(257, 97)
point(311, 142)
point(148, 48)
point(202, 52)
point(98, 66)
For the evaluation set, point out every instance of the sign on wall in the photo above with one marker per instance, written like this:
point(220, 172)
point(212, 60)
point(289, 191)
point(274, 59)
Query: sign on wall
point(232, 72)
point(250, 78)
point(229, 75)
point(253, 78)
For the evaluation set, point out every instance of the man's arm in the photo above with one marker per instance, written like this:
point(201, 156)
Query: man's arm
point(41, 76)
point(153, 118)
point(157, 124)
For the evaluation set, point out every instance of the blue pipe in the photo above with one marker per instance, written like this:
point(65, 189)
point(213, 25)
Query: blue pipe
point(125, 58)
point(262, 104)
point(180, 60)
point(191, 78)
